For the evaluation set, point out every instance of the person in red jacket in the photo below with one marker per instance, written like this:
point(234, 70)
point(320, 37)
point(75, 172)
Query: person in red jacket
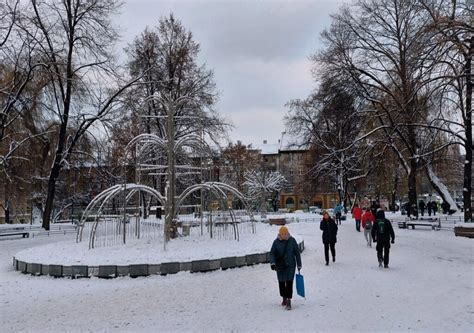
point(368, 220)
point(357, 215)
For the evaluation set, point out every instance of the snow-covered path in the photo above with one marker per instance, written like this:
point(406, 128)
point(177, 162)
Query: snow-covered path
point(429, 288)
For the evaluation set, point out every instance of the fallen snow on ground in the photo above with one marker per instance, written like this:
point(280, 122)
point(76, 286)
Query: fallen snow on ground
point(428, 288)
point(151, 251)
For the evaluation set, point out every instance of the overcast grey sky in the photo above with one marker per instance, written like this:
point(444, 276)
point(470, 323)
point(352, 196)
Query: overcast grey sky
point(258, 51)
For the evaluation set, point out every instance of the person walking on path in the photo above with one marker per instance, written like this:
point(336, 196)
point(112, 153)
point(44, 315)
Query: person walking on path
point(284, 258)
point(357, 215)
point(429, 206)
point(421, 206)
point(368, 220)
point(382, 232)
point(329, 228)
point(338, 212)
point(434, 205)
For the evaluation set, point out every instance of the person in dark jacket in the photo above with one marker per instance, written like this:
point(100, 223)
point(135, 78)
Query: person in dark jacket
point(421, 206)
point(382, 232)
point(284, 258)
point(329, 228)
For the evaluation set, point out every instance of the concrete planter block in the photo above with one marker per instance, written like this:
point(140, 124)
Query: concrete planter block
point(138, 270)
point(200, 266)
point(56, 270)
point(262, 258)
point(22, 266)
point(214, 264)
point(93, 271)
point(169, 268)
point(107, 271)
point(79, 271)
point(123, 270)
point(154, 269)
point(228, 262)
point(185, 266)
point(44, 269)
point(205, 265)
point(67, 271)
point(34, 269)
point(241, 261)
point(252, 259)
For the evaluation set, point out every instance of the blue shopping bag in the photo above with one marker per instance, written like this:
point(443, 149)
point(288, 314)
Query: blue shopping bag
point(300, 284)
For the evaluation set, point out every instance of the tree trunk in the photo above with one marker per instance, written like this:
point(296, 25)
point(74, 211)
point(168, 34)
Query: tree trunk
point(467, 189)
point(412, 197)
point(48, 208)
point(54, 174)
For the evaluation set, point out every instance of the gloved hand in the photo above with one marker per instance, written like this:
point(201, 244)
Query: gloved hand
point(273, 267)
point(299, 268)
point(393, 241)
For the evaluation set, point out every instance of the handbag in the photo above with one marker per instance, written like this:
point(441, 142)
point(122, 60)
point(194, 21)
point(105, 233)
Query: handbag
point(300, 285)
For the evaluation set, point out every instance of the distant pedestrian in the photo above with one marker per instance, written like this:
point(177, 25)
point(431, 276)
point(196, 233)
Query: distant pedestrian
point(429, 206)
point(338, 212)
point(357, 215)
point(382, 232)
point(329, 228)
point(373, 207)
point(368, 221)
point(421, 206)
point(284, 258)
point(434, 205)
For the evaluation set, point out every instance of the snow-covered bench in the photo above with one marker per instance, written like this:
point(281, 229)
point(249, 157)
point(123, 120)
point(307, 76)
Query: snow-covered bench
point(432, 222)
point(15, 232)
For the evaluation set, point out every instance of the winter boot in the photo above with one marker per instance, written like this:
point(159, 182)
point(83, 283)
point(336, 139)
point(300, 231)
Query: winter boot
point(327, 263)
point(385, 266)
point(288, 304)
point(284, 302)
point(380, 263)
point(333, 259)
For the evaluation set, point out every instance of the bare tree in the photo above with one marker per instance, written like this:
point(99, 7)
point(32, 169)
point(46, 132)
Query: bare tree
point(386, 50)
point(74, 39)
point(452, 24)
point(328, 121)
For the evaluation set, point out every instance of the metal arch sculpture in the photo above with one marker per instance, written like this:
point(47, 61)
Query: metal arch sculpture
point(146, 146)
point(105, 197)
point(219, 188)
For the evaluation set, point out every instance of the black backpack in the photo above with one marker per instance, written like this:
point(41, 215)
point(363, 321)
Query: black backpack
point(368, 224)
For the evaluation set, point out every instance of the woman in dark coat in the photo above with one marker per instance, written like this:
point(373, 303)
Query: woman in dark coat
point(284, 258)
point(382, 232)
point(329, 228)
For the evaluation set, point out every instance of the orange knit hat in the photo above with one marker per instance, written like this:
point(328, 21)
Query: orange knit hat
point(283, 230)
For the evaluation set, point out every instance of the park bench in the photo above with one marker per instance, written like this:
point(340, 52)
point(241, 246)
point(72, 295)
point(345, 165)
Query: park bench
point(433, 223)
point(13, 232)
point(277, 221)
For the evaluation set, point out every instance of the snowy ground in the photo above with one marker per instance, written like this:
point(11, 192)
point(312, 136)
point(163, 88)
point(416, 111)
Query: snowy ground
point(428, 288)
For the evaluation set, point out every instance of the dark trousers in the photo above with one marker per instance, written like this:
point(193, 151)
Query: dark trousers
point(326, 250)
point(286, 289)
point(383, 252)
point(357, 225)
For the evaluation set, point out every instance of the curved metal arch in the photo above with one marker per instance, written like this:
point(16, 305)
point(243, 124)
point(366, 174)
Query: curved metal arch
point(133, 188)
point(150, 137)
point(110, 193)
point(191, 140)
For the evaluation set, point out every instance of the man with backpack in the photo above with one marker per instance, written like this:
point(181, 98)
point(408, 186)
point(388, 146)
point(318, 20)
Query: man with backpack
point(368, 221)
point(382, 232)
